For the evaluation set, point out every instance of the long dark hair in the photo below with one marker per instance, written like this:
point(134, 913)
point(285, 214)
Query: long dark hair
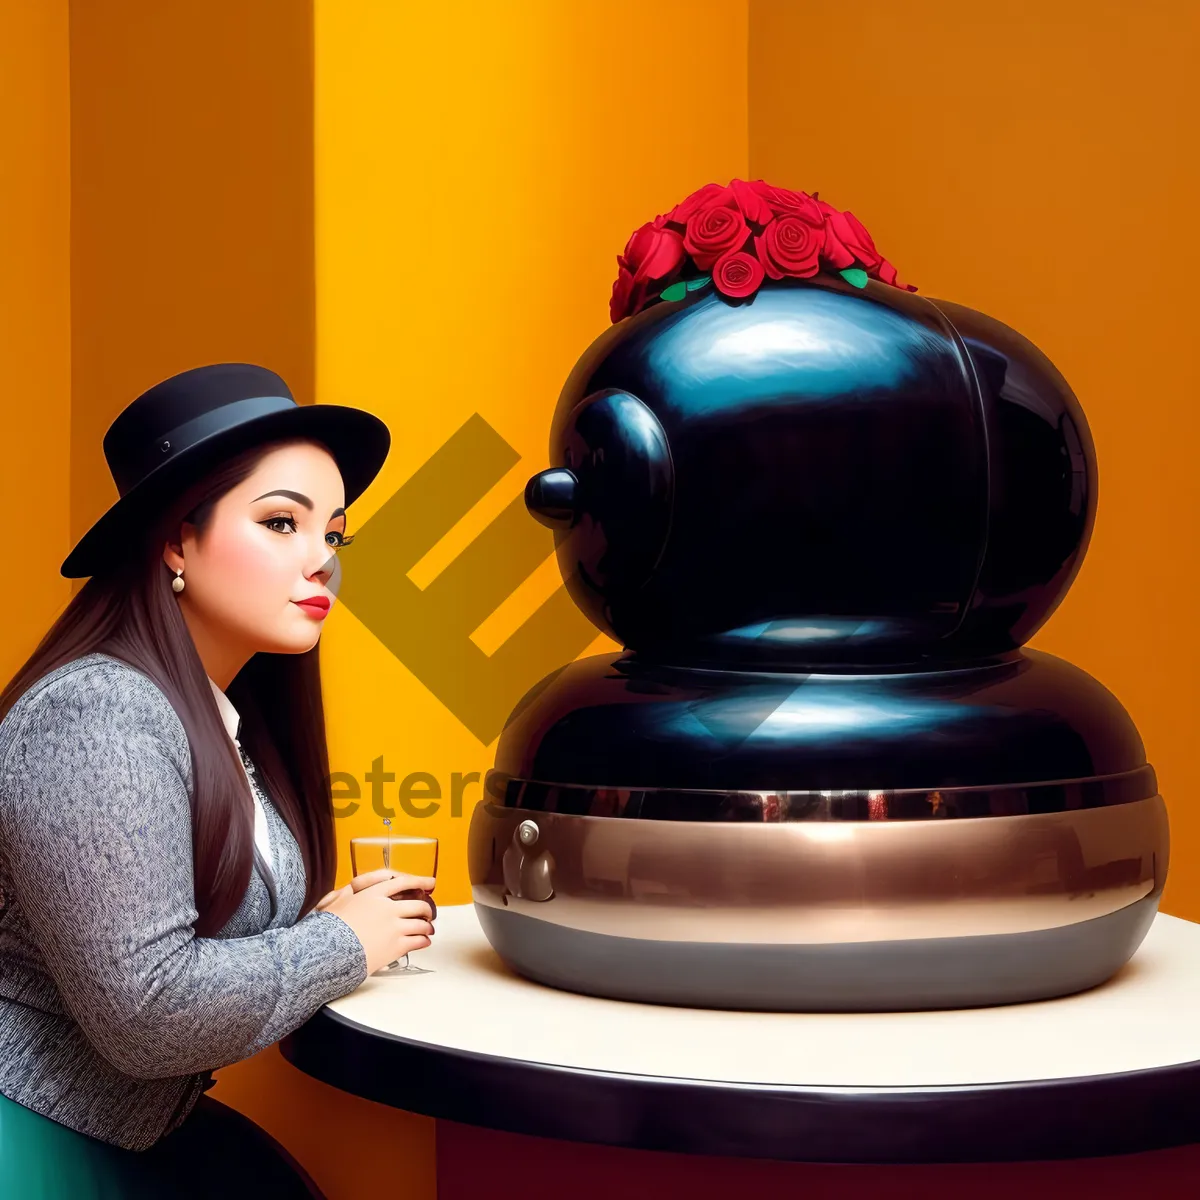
point(131, 613)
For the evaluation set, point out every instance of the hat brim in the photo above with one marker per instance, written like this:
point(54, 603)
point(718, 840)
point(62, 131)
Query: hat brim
point(359, 442)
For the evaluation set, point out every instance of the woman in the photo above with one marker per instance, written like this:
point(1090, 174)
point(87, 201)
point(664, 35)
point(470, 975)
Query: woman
point(167, 844)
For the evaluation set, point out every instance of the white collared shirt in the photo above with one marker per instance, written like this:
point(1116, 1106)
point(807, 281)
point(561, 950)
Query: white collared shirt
point(262, 831)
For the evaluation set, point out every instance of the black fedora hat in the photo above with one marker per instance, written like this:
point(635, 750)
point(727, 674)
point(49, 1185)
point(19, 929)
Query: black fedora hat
point(166, 438)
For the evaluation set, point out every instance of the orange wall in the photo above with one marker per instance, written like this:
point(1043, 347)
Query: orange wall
point(35, 317)
point(1037, 161)
point(191, 173)
point(191, 242)
point(417, 210)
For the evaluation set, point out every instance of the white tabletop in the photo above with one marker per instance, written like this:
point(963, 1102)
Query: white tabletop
point(1146, 1017)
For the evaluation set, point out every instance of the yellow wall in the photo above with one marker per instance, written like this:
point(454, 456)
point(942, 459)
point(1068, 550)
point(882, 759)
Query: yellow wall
point(478, 168)
point(1036, 161)
point(35, 317)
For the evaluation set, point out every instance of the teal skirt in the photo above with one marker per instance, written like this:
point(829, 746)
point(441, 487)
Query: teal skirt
point(216, 1152)
point(43, 1160)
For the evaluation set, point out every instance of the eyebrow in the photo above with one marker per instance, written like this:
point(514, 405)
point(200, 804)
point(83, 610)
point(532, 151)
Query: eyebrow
point(300, 499)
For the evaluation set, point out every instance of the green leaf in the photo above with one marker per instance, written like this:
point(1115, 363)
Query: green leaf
point(694, 285)
point(855, 277)
point(676, 291)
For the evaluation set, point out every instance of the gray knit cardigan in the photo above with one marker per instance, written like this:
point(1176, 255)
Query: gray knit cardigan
point(113, 1013)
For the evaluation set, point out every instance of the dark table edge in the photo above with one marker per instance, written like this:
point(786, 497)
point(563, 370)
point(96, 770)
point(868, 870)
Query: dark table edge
point(1085, 1117)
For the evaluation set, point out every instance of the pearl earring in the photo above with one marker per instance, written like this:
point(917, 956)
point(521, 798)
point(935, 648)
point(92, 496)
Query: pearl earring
point(177, 584)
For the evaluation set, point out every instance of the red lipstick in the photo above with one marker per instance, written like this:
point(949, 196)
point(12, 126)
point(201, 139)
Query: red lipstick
point(315, 606)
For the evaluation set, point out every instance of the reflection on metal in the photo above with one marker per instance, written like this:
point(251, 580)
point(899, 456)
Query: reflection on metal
point(846, 882)
point(528, 873)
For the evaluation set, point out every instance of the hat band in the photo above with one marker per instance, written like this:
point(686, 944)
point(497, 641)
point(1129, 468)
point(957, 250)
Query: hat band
point(166, 446)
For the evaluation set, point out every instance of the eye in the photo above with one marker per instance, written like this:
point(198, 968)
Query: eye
point(342, 539)
point(272, 520)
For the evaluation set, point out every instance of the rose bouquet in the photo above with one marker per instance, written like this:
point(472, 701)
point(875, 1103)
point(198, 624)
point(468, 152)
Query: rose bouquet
point(736, 235)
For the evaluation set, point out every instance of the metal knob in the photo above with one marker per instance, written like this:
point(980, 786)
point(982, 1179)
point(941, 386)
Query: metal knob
point(527, 833)
point(552, 497)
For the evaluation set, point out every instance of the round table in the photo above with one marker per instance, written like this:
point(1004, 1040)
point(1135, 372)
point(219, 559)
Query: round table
point(1112, 1071)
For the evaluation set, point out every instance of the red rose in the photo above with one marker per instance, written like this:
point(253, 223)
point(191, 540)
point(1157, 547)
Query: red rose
point(886, 273)
point(789, 246)
point(653, 251)
point(783, 202)
point(748, 197)
point(628, 295)
point(834, 252)
point(845, 231)
point(710, 195)
point(653, 255)
point(737, 273)
point(712, 232)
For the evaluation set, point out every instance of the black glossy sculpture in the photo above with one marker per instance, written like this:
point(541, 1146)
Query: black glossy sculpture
point(823, 774)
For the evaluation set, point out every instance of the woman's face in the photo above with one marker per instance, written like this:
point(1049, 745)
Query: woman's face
point(271, 542)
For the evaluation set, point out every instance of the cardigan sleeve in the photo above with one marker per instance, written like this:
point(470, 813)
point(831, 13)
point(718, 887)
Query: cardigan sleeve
point(95, 825)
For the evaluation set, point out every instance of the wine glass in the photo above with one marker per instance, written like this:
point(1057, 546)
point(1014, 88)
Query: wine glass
point(397, 852)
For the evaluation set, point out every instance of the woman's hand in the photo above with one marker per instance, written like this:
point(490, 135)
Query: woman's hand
point(329, 897)
point(387, 926)
point(367, 879)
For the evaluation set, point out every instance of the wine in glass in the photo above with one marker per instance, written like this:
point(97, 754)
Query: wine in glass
point(408, 854)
